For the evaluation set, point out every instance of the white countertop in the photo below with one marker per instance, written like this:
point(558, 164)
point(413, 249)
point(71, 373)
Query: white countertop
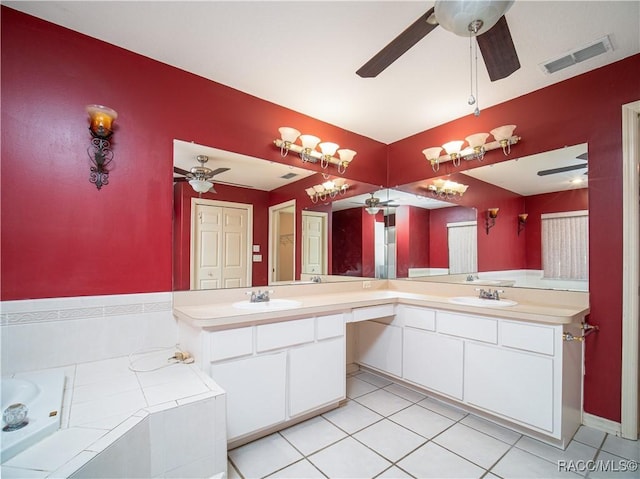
point(537, 306)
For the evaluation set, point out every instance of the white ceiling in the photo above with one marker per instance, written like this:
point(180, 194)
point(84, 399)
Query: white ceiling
point(303, 55)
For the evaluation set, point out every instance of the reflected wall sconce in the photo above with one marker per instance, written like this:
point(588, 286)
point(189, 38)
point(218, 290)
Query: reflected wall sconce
point(447, 190)
point(476, 147)
point(307, 149)
point(490, 221)
point(522, 222)
point(329, 189)
point(100, 153)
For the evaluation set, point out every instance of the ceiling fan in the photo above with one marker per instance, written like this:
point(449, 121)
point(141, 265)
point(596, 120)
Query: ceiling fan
point(483, 19)
point(564, 169)
point(199, 176)
point(373, 204)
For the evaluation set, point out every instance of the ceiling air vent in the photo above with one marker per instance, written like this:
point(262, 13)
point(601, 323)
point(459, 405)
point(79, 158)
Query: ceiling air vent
point(288, 176)
point(578, 55)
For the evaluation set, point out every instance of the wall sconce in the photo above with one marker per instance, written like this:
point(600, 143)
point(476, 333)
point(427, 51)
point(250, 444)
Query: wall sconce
point(476, 148)
point(447, 190)
point(99, 151)
point(522, 222)
point(492, 214)
point(308, 152)
point(329, 189)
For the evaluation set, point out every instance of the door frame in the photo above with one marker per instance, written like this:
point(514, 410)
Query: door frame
point(273, 227)
point(223, 204)
point(325, 238)
point(630, 268)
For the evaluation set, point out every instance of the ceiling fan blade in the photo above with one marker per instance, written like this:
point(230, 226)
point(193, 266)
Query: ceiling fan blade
point(584, 156)
point(180, 171)
point(398, 46)
point(498, 51)
point(562, 169)
point(177, 179)
point(217, 171)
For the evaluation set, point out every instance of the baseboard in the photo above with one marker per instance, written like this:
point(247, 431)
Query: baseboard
point(602, 424)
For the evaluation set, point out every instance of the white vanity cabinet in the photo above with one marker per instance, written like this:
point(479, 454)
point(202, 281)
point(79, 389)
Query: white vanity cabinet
point(521, 372)
point(273, 373)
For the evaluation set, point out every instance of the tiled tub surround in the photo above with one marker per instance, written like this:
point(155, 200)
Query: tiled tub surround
point(167, 422)
point(45, 333)
point(207, 316)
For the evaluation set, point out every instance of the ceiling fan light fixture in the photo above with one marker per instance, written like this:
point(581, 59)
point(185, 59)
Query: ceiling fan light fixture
point(470, 17)
point(372, 210)
point(201, 186)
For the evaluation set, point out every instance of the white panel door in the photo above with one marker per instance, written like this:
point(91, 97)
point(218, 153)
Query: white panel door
point(433, 361)
point(316, 375)
point(234, 256)
point(314, 233)
point(256, 392)
point(220, 247)
point(514, 384)
point(380, 346)
point(207, 261)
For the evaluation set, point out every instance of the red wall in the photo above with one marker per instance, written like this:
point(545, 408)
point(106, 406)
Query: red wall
point(583, 109)
point(58, 233)
point(347, 242)
point(412, 239)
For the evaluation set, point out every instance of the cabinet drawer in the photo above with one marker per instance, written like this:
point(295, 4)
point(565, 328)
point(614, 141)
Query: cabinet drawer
point(231, 343)
point(373, 312)
point(528, 337)
point(330, 326)
point(419, 318)
point(286, 333)
point(471, 327)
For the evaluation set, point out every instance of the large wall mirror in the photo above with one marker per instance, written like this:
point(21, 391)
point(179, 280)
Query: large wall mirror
point(537, 239)
point(261, 227)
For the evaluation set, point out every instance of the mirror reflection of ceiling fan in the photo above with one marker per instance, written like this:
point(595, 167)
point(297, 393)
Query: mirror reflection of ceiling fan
point(563, 169)
point(373, 204)
point(483, 19)
point(200, 177)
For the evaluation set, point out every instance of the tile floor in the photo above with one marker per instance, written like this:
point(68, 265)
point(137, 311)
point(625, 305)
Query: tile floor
point(388, 431)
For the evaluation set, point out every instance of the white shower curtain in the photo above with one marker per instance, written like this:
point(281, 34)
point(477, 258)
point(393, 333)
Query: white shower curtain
point(565, 245)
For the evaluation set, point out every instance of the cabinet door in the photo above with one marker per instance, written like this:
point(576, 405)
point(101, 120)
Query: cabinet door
point(316, 375)
point(380, 346)
point(514, 384)
point(433, 361)
point(256, 389)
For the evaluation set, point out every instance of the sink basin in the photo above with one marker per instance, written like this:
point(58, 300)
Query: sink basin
point(271, 305)
point(483, 303)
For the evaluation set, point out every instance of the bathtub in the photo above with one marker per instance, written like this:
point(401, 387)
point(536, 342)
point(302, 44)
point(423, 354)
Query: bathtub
point(42, 393)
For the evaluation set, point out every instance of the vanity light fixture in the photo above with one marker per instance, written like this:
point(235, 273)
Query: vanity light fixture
point(307, 149)
point(329, 189)
point(522, 222)
point(446, 189)
point(476, 149)
point(100, 153)
point(490, 221)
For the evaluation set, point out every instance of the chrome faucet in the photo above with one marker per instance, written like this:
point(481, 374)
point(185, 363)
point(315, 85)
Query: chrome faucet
point(260, 296)
point(495, 294)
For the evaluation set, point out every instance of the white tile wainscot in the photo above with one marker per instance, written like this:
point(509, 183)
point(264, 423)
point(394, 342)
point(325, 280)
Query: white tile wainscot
point(169, 422)
point(274, 374)
point(519, 373)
